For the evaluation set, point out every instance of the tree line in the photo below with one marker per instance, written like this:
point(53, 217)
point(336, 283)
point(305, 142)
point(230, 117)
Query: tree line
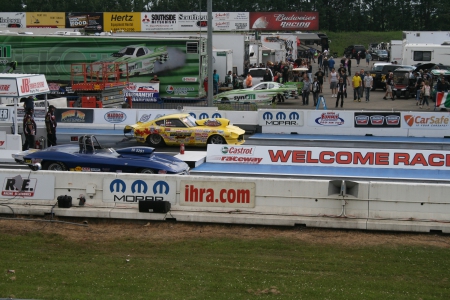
point(334, 15)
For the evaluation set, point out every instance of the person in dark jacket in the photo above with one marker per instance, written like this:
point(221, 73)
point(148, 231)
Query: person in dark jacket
point(267, 76)
point(29, 129)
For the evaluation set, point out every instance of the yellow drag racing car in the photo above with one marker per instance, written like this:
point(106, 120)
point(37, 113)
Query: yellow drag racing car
point(184, 129)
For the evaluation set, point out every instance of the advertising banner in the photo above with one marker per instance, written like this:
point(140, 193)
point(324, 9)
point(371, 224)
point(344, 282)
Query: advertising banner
point(71, 115)
point(217, 194)
point(330, 157)
point(141, 92)
point(180, 71)
point(272, 21)
point(12, 20)
point(46, 20)
point(87, 21)
point(122, 21)
point(31, 186)
point(378, 119)
point(280, 117)
point(5, 114)
point(115, 116)
point(330, 118)
point(194, 21)
point(23, 86)
point(158, 21)
point(427, 121)
point(39, 114)
point(132, 191)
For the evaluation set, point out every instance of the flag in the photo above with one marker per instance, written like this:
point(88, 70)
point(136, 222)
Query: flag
point(442, 100)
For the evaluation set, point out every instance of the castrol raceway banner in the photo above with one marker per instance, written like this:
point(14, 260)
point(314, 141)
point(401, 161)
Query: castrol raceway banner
point(330, 157)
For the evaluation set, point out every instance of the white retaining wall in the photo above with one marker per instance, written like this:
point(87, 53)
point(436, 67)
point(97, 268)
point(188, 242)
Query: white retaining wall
point(317, 203)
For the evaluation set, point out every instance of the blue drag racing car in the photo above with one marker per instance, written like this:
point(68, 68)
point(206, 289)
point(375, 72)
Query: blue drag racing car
point(90, 156)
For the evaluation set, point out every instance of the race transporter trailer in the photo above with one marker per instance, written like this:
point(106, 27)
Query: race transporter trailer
point(179, 62)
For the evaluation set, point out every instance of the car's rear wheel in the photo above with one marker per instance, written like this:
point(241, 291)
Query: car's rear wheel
point(54, 166)
point(155, 140)
point(225, 101)
point(216, 139)
point(147, 171)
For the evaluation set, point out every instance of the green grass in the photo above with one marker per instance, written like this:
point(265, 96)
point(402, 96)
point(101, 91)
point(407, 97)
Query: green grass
point(52, 267)
point(341, 40)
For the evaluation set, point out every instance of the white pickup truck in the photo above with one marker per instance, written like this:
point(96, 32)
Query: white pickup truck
point(257, 75)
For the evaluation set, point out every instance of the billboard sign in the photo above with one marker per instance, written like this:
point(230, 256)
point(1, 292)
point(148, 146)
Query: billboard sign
point(269, 21)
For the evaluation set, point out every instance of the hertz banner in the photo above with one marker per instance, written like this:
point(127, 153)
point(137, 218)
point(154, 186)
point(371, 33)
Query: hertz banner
point(126, 21)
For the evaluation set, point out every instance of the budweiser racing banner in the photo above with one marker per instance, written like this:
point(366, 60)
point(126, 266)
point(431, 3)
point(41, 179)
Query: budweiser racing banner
point(284, 21)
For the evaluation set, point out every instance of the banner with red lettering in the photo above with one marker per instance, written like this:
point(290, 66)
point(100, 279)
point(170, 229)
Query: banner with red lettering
point(13, 85)
point(330, 157)
point(284, 21)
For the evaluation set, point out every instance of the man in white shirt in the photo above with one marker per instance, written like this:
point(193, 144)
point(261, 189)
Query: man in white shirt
point(368, 83)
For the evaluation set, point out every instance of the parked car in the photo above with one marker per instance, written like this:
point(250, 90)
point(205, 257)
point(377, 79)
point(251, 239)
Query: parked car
point(380, 55)
point(262, 93)
point(379, 72)
point(179, 129)
point(90, 156)
point(352, 50)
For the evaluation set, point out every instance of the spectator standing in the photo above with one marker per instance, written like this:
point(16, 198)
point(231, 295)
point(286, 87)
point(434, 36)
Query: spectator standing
point(310, 72)
point(361, 90)
point(320, 77)
point(325, 65)
point(418, 88)
point(333, 82)
point(235, 81)
point(344, 76)
point(320, 59)
point(249, 81)
point(285, 70)
point(356, 84)
point(341, 68)
point(331, 63)
point(389, 85)
point(315, 88)
point(368, 58)
point(215, 82)
point(50, 125)
point(426, 90)
point(229, 79)
point(306, 90)
point(368, 83)
point(342, 89)
point(267, 76)
point(29, 129)
point(358, 58)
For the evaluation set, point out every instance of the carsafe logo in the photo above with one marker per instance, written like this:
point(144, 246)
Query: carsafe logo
point(138, 191)
point(409, 119)
point(280, 118)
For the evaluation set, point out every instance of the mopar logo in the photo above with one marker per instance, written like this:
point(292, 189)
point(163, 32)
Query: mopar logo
point(281, 116)
point(193, 115)
point(127, 194)
point(267, 116)
point(294, 116)
point(281, 119)
point(203, 116)
point(216, 115)
point(245, 97)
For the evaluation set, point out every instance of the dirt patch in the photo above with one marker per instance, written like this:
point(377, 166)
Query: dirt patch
point(173, 231)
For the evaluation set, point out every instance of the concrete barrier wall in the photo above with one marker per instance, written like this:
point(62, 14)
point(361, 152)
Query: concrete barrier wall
point(418, 124)
point(263, 201)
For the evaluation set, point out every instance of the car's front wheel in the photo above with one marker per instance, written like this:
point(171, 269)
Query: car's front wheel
point(54, 166)
point(155, 140)
point(216, 139)
point(147, 171)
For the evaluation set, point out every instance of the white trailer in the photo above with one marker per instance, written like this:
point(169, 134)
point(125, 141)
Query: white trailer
point(396, 51)
point(426, 53)
point(426, 37)
point(222, 62)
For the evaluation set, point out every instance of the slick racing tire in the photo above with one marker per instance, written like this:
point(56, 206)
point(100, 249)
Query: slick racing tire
point(54, 166)
point(155, 140)
point(217, 140)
